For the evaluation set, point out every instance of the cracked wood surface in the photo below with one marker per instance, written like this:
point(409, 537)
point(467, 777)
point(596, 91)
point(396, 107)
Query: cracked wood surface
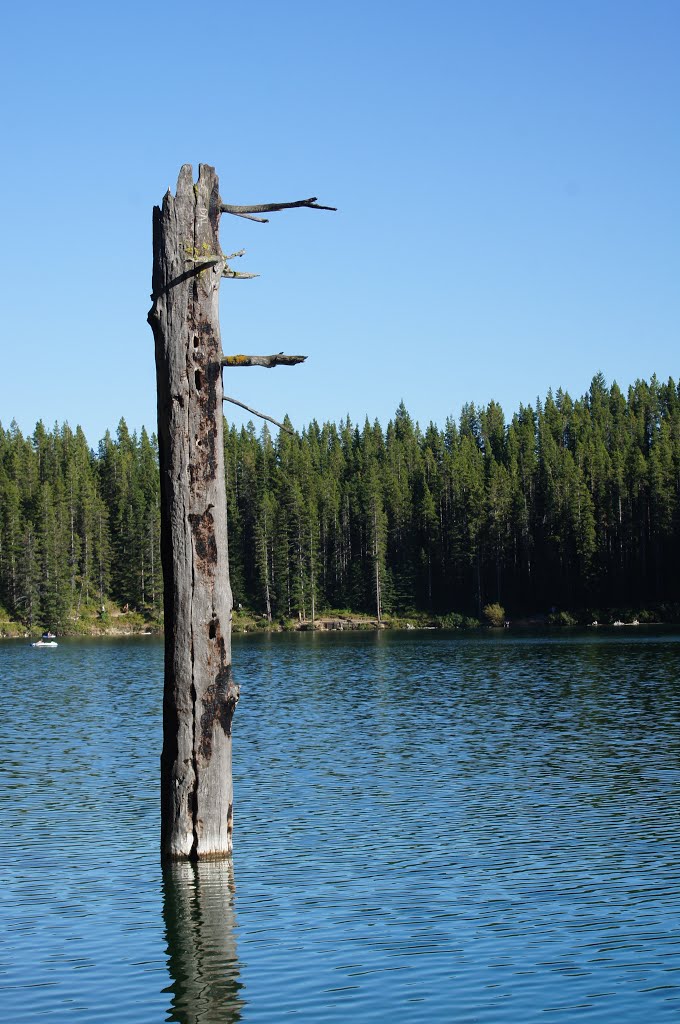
point(199, 691)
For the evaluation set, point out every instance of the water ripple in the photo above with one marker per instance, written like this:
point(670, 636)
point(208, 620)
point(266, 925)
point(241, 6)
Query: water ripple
point(428, 828)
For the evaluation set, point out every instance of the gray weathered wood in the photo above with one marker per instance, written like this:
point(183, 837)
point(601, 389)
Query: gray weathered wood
point(262, 415)
point(269, 362)
point(199, 695)
point(248, 211)
point(199, 691)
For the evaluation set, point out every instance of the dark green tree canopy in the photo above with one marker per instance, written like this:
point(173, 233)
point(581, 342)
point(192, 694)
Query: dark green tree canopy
point(572, 503)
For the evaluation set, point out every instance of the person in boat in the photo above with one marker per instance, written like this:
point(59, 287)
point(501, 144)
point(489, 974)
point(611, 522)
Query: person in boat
point(47, 635)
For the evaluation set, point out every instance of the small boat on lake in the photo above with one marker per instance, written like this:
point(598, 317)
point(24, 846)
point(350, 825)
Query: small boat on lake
point(48, 639)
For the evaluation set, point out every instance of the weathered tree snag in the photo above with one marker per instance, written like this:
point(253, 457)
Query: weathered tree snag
point(199, 695)
point(199, 692)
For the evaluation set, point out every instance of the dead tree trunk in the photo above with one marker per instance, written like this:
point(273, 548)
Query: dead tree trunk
point(199, 692)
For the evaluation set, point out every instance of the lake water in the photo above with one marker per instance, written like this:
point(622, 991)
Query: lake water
point(428, 827)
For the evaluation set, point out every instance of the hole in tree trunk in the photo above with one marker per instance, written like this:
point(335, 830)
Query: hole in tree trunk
point(199, 380)
point(212, 629)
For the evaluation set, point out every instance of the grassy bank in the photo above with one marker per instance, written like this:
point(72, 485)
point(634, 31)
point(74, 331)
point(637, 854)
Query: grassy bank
point(114, 621)
point(106, 620)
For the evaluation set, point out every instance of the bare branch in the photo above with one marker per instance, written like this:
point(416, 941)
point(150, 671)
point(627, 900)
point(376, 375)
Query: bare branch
point(212, 257)
point(247, 216)
point(204, 261)
point(262, 415)
point(228, 272)
point(246, 211)
point(208, 261)
point(268, 361)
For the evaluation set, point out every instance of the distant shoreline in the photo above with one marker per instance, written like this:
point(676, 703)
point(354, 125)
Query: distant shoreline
point(336, 623)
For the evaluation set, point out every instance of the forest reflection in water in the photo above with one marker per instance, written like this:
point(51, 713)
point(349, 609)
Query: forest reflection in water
point(198, 911)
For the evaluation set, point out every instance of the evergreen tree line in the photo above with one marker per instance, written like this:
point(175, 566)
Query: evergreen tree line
point(573, 504)
point(570, 505)
point(78, 529)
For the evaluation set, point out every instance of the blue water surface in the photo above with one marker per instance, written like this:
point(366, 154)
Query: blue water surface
point(428, 827)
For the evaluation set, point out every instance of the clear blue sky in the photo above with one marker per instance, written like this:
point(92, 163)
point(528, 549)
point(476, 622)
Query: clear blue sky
point(506, 175)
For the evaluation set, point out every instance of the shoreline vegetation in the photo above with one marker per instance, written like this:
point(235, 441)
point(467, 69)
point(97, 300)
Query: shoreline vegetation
point(118, 622)
point(567, 513)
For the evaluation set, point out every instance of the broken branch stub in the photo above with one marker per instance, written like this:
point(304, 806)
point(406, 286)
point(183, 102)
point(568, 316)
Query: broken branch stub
point(268, 361)
point(201, 262)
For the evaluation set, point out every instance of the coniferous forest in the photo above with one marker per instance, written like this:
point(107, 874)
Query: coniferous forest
point(572, 506)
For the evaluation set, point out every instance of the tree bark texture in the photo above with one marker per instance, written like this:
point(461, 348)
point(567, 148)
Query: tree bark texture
point(199, 692)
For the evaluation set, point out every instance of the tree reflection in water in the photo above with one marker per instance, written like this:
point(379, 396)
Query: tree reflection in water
point(198, 909)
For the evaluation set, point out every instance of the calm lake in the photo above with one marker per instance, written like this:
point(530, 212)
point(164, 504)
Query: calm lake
point(429, 827)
